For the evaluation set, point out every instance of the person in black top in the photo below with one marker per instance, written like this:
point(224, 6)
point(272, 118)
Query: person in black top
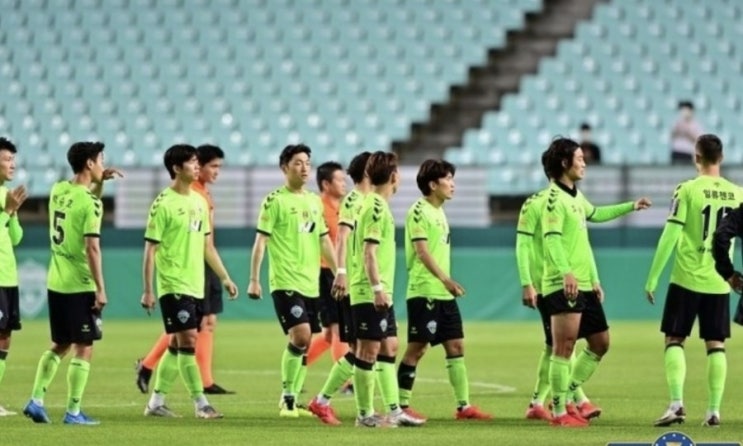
point(730, 227)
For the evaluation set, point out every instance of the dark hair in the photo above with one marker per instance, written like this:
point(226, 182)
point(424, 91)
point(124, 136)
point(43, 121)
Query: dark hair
point(545, 158)
point(289, 151)
point(208, 153)
point(560, 152)
point(686, 104)
point(710, 149)
point(81, 152)
point(325, 172)
point(585, 126)
point(178, 155)
point(6, 144)
point(357, 167)
point(433, 170)
point(380, 166)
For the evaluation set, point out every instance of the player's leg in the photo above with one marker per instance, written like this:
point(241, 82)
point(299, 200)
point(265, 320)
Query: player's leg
point(319, 345)
point(144, 367)
point(595, 329)
point(294, 320)
point(536, 409)
point(714, 328)
point(166, 374)
point(313, 318)
point(338, 348)
point(421, 331)
point(11, 321)
point(369, 335)
point(327, 309)
point(212, 306)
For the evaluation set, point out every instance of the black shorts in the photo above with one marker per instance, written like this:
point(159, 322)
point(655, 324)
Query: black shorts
point(683, 306)
point(72, 319)
point(433, 321)
point(346, 329)
point(593, 318)
point(212, 303)
point(373, 325)
point(180, 312)
point(328, 305)
point(546, 320)
point(293, 309)
point(10, 310)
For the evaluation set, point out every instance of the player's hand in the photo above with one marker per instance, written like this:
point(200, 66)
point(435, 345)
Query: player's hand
point(651, 297)
point(643, 203)
point(599, 292)
point(339, 288)
point(231, 288)
point(14, 198)
point(453, 287)
point(254, 290)
point(112, 172)
point(381, 301)
point(100, 301)
point(570, 286)
point(148, 302)
point(736, 282)
point(529, 296)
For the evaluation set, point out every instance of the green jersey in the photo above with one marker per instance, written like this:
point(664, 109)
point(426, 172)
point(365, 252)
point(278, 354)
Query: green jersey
point(179, 225)
point(347, 216)
point(531, 263)
point(74, 213)
point(699, 205)
point(428, 223)
point(376, 225)
point(11, 234)
point(295, 224)
point(566, 245)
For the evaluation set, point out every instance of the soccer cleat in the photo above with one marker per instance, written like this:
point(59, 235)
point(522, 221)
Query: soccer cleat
point(159, 411)
point(712, 421)
point(6, 413)
point(535, 412)
point(670, 417)
point(143, 376)
point(403, 418)
point(304, 411)
point(567, 420)
point(80, 419)
point(472, 413)
point(325, 413)
point(216, 389)
point(588, 410)
point(573, 411)
point(36, 413)
point(287, 408)
point(375, 421)
point(208, 413)
point(410, 411)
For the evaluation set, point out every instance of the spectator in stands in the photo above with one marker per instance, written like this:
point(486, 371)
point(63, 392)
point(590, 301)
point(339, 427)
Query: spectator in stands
point(684, 134)
point(591, 151)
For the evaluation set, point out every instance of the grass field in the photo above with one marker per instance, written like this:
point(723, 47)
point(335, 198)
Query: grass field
point(501, 358)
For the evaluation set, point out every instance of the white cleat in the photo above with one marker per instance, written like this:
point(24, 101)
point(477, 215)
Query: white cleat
point(6, 413)
point(159, 411)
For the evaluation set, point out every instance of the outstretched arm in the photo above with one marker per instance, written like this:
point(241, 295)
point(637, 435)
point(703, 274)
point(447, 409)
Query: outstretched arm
point(668, 240)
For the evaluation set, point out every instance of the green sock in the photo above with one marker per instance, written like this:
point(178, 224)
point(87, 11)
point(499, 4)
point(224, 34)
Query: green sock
point(291, 363)
point(340, 373)
point(363, 387)
point(167, 372)
point(45, 372)
point(585, 364)
point(190, 372)
point(301, 376)
point(458, 380)
point(3, 355)
point(717, 368)
point(387, 379)
point(576, 395)
point(559, 379)
point(77, 377)
point(542, 386)
point(675, 364)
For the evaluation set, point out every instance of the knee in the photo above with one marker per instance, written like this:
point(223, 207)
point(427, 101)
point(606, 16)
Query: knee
point(209, 323)
point(368, 351)
point(454, 348)
point(389, 347)
point(414, 353)
point(60, 349)
point(564, 347)
point(300, 339)
point(327, 335)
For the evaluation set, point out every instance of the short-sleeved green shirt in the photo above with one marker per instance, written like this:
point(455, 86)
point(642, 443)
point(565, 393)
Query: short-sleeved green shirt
point(375, 224)
point(530, 225)
point(9, 269)
point(427, 222)
point(699, 205)
point(348, 213)
point(564, 216)
point(74, 213)
point(179, 225)
point(295, 225)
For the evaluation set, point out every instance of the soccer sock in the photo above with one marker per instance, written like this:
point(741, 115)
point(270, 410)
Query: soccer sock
point(291, 362)
point(458, 380)
point(301, 376)
point(165, 375)
point(675, 364)
point(340, 373)
point(387, 379)
point(576, 395)
point(585, 364)
point(45, 372)
point(77, 378)
point(204, 353)
point(338, 348)
point(559, 379)
point(153, 357)
point(405, 381)
point(717, 368)
point(542, 386)
point(3, 357)
point(190, 373)
point(318, 346)
point(363, 387)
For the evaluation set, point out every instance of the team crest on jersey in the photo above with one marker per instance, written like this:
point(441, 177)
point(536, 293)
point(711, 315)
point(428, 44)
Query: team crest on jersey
point(183, 316)
point(432, 326)
point(296, 311)
point(383, 325)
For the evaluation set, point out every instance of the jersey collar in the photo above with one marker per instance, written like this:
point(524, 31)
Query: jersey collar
point(572, 192)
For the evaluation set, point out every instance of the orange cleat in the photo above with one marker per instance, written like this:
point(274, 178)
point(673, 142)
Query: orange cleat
point(325, 413)
point(409, 410)
point(538, 413)
point(567, 420)
point(588, 410)
point(472, 413)
point(572, 410)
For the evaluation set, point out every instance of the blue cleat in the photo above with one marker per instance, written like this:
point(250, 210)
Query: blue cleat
point(36, 413)
point(80, 418)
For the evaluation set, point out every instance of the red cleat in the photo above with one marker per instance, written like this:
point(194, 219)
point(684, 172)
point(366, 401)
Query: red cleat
point(538, 413)
point(567, 420)
point(472, 413)
point(573, 411)
point(409, 410)
point(325, 413)
point(588, 410)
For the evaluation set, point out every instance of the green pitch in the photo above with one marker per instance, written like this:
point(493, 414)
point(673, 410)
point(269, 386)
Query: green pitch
point(501, 359)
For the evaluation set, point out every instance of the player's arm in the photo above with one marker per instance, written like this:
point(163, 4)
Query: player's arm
point(671, 233)
point(528, 219)
point(108, 174)
point(148, 266)
point(266, 220)
point(156, 226)
point(94, 258)
point(328, 252)
point(92, 236)
point(15, 231)
point(341, 246)
point(730, 227)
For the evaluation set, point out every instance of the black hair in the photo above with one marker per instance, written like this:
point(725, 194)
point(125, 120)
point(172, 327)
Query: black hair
point(208, 153)
point(585, 126)
point(357, 167)
point(559, 155)
point(433, 170)
point(545, 158)
point(6, 144)
point(81, 152)
point(710, 149)
point(380, 167)
point(178, 155)
point(289, 151)
point(686, 104)
point(325, 172)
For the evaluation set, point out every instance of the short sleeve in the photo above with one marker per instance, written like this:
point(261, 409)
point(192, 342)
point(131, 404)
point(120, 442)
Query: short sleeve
point(553, 217)
point(93, 218)
point(372, 223)
point(267, 217)
point(345, 212)
point(528, 217)
point(156, 221)
point(679, 206)
point(416, 227)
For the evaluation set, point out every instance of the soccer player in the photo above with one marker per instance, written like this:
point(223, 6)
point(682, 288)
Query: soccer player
point(292, 226)
point(371, 284)
point(11, 234)
point(177, 246)
point(342, 370)
point(572, 292)
point(695, 289)
point(433, 312)
point(210, 162)
point(76, 291)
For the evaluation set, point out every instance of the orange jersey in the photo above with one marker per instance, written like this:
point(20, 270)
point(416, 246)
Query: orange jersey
point(330, 211)
point(200, 187)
